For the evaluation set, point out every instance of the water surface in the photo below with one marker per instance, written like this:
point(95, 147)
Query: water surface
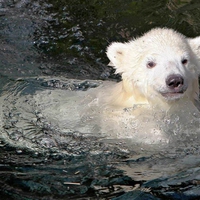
point(43, 45)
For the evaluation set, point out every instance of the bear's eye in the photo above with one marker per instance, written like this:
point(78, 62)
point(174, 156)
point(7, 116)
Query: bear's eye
point(184, 61)
point(151, 64)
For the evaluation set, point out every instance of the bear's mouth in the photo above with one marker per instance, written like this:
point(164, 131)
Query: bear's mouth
point(173, 95)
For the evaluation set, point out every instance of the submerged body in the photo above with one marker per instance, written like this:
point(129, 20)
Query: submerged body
point(88, 113)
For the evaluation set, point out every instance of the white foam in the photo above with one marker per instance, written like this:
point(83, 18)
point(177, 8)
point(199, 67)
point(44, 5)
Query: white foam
point(84, 111)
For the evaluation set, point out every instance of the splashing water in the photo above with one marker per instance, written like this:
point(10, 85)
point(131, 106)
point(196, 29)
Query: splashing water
point(33, 108)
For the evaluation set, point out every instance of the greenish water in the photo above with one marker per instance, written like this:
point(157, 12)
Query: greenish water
point(58, 40)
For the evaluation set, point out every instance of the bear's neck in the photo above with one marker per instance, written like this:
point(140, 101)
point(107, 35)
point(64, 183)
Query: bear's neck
point(126, 94)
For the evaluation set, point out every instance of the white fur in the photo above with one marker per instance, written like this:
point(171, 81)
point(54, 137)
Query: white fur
point(141, 85)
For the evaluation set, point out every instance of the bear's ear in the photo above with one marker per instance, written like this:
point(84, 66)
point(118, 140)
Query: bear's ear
point(116, 53)
point(195, 45)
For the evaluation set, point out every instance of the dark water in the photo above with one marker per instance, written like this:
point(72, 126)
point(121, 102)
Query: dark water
point(68, 39)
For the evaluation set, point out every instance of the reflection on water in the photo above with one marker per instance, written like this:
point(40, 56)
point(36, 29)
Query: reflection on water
point(39, 160)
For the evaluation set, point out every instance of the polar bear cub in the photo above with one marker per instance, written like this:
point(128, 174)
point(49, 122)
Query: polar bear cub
point(160, 68)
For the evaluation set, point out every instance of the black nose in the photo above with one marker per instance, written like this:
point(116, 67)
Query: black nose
point(175, 81)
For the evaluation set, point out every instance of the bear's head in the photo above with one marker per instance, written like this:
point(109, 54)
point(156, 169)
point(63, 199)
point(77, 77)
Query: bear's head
point(162, 65)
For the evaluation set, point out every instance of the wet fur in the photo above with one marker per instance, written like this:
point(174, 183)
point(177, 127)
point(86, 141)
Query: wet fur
point(127, 93)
